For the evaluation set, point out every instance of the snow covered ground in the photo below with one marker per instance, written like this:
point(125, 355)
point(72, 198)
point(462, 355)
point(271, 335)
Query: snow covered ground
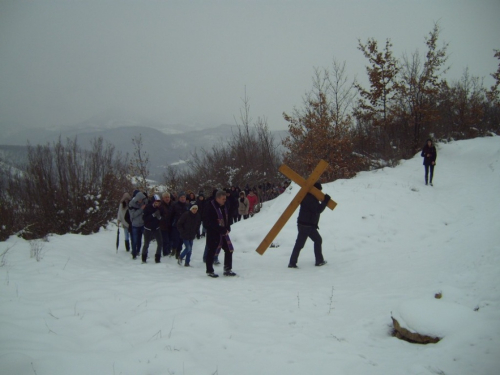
point(391, 244)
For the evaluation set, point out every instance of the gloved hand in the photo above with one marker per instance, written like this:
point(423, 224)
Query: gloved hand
point(327, 198)
point(157, 214)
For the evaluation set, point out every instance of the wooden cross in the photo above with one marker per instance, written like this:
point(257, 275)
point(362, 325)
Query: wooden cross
point(307, 186)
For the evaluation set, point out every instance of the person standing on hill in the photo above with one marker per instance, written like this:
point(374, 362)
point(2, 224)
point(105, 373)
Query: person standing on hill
point(307, 224)
point(429, 154)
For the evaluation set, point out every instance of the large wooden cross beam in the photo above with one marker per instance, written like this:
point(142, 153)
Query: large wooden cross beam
point(306, 186)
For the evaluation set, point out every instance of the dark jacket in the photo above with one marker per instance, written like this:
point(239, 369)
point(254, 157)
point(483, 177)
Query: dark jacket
point(310, 210)
point(431, 151)
point(166, 211)
point(188, 225)
point(201, 205)
point(177, 210)
point(213, 227)
point(152, 217)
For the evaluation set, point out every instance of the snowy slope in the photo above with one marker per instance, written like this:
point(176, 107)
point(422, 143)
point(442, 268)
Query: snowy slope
point(391, 244)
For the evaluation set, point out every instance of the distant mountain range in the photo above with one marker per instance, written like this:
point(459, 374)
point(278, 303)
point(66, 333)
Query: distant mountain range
point(166, 144)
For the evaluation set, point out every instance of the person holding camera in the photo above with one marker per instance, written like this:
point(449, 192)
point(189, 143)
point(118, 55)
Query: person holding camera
point(152, 218)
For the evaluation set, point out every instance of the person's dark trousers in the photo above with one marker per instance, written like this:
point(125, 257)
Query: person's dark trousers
point(210, 256)
point(304, 233)
point(136, 240)
point(165, 237)
point(427, 167)
point(176, 241)
point(148, 235)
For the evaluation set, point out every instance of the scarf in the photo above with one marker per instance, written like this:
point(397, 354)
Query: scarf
point(222, 223)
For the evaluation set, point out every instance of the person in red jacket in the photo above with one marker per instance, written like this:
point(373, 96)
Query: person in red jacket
point(252, 201)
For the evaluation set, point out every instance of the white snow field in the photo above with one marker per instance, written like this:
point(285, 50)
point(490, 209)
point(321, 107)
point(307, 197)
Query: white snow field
point(391, 244)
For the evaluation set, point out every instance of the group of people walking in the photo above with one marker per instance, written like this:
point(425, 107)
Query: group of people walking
point(175, 220)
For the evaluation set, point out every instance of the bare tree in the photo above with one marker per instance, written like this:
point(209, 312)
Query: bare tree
point(139, 164)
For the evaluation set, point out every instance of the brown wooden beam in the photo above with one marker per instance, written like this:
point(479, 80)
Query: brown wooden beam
point(280, 223)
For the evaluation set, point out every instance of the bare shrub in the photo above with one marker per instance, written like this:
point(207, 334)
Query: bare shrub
point(36, 248)
point(64, 189)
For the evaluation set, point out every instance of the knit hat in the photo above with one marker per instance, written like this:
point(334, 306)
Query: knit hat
point(318, 186)
point(157, 197)
point(194, 206)
point(181, 193)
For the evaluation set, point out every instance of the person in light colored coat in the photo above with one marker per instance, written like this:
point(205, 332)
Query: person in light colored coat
point(122, 217)
point(243, 206)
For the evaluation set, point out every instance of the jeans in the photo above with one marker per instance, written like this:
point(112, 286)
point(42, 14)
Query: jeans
point(166, 239)
point(187, 251)
point(126, 234)
point(136, 240)
point(427, 167)
point(304, 233)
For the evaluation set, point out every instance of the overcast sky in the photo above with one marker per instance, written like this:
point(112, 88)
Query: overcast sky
point(62, 62)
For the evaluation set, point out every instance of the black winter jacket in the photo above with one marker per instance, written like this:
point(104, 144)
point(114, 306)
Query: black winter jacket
point(151, 217)
point(214, 228)
point(178, 209)
point(188, 225)
point(310, 210)
point(431, 151)
point(166, 216)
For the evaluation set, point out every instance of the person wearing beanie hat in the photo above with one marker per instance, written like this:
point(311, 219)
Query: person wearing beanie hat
point(187, 225)
point(307, 224)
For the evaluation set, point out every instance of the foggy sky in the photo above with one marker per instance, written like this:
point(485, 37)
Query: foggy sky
point(62, 62)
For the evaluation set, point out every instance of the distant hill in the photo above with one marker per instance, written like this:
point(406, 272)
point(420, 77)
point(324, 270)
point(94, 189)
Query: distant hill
point(166, 145)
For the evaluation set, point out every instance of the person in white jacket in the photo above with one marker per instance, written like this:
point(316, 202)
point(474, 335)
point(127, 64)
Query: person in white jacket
point(123, 218)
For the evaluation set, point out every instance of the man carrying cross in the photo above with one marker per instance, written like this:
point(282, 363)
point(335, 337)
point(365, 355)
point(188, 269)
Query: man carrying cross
point(307, 224)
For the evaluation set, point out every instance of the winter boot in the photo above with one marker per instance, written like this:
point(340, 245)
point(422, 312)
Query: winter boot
point(157, 259)
point(127, 245)
point(144, 258)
